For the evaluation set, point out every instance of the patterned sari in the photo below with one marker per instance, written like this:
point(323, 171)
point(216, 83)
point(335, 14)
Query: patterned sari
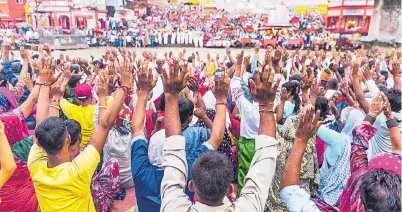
point(309, 172)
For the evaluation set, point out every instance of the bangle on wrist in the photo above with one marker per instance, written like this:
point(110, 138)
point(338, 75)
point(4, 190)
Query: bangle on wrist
point(266, 111)
point(102, 107)
point(391, 123)
point(54, 106)
point(220, 103)
point(370, 118)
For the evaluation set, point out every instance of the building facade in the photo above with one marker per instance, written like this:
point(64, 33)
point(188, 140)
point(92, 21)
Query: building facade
point(67, 14)
point(349, 16)
point(11, 12)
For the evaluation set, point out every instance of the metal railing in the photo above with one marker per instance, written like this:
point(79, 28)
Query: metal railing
point(58, 40)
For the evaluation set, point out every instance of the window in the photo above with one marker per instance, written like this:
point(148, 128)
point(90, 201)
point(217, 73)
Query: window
point(20, 1)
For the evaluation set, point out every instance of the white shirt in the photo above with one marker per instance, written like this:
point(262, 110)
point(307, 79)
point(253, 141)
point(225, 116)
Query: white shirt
point(250, 116)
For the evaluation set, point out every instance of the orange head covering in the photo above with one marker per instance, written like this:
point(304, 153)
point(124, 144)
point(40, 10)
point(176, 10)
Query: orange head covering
point(326, 74)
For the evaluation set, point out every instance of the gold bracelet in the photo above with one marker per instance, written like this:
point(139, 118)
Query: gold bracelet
point(266, 111)
point(102, 107)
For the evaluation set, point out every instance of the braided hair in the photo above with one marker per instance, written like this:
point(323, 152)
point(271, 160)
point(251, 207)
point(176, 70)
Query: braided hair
point(292, 87)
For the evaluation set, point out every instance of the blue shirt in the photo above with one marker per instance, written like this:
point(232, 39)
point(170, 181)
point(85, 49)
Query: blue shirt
point(147, 177)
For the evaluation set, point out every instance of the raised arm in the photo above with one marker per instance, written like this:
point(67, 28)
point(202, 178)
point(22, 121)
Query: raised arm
point(362, 134)
point(232, 60)
point(145, 82)
point(106, 120)
point(46, 79)
point(396, 74)
point(194, 86)
point(7, 162)
point(174, 156)
point(279, 108)
point(345, 92)
point(392, 125)
point(358, 89)
point(220, 90)
point(262, 167)
point(58, 90)
point(307, 127)
point(239, 62)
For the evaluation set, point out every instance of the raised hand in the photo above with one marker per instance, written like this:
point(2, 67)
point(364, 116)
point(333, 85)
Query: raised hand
point(307, 82)
point(344, 88)
point(174, 82)
point(46, 74)
point(239, 58)
point(126, 74)
point(193, 85)
point(277, 57)
point(395, 68)
point(355, 68)
point(28, 81)
point(24, 53)
point(367, 73)
point(101, 86)
point(262, 90)
point(308, 124)
point(220, 87)
point(268, 58)
point(387, 108)
point(376, 106)
point(56, 89)
point(200, 113)
point(145, 80)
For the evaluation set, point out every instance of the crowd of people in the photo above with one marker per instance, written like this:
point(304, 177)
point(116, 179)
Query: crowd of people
point(191, 27)
point(271, 131)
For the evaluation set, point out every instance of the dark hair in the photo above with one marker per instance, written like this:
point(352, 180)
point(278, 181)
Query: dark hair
point(229, 64)
point(292, 88)
point(332, 84)
point(296, 77)
point(186, 109)
point(51, 133)
point(384, 73)
point(73, 129)
point(341, 71)
point(394, 98)
point(4, 79)
point(321, 103)
point(212, 173)
point(381, 191)
point(75, 79)
point(162, 102)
